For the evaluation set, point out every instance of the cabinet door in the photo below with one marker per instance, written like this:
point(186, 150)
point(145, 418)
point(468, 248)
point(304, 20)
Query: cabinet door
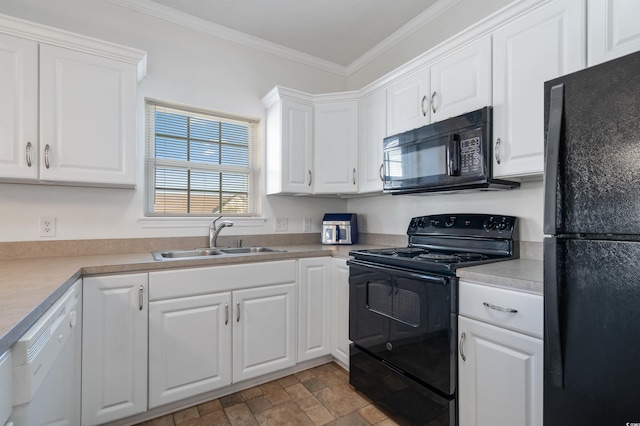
point(408, 103)
point(264, 330)
point(335, 149)
point(613, 29)
point(6, 386)
point(289, 148)
point(314, 309)
point(87, 118)
point(18, 108)
point(189, 347)
point(500, 376)
point(340, 311)
point(114, 347)
point(372, 129)
point(461, 82)
point(541, 45)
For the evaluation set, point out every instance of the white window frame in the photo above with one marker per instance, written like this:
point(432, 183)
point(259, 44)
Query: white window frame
point(151, 161)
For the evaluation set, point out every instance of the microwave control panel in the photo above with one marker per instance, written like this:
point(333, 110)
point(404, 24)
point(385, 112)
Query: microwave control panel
point(471, 156)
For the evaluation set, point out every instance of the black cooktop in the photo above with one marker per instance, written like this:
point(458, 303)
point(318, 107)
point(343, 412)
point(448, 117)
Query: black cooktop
point(443, 243)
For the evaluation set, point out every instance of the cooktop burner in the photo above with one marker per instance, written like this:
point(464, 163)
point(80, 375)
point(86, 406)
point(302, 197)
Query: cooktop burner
point(443, 243)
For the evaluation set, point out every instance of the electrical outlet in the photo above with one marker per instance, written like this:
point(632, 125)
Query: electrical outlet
point(47, 226)
point(281, 224)
point(306, 224)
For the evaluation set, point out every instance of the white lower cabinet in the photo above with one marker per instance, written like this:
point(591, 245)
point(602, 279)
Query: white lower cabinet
point(189, 346)
point(314, 308)
point(6, 386)
point(114, 347)
point(500, 370)
point(340, 310)
point(210, 327)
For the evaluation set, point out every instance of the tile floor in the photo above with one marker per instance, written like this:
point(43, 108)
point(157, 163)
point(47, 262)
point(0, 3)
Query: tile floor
point(318, 396)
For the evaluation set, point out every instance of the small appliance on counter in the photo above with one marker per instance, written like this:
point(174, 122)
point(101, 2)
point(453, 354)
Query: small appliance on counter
point(340, 228)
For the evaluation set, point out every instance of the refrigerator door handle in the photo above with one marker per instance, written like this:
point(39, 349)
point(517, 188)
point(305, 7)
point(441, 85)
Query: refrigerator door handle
point(553, 336)
point(556, 105)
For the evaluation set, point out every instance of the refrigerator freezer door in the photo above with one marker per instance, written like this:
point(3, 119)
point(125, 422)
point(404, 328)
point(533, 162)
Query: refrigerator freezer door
point(598, 290)
point(598, 167)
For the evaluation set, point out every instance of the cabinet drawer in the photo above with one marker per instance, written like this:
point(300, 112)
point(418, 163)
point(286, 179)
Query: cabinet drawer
point(496, 306)
point(216, 279)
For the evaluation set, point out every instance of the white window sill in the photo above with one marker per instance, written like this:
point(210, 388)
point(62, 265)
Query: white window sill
point(197, 222)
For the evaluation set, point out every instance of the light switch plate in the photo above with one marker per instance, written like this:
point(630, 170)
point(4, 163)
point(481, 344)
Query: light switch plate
point(306, 224)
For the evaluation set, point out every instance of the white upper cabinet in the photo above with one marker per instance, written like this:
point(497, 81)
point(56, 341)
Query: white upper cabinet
point(68, 107)
point(539, 46)
point(408, 103)
point(87, 118)
point(335, 150)
point(461, 82)
point(372, 129)
point(613, 29)
point(18, 108)
point(289, 144)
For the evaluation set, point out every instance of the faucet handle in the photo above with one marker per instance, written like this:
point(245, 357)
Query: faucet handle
point(213, 222)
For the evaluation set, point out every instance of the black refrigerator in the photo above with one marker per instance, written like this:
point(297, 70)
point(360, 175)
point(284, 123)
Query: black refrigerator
point(592, 246)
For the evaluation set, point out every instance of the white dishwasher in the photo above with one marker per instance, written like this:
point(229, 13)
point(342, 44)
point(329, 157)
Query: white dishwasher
point(46, 365)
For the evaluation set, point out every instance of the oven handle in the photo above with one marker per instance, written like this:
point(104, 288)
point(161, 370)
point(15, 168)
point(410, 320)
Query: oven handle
point(397, 272)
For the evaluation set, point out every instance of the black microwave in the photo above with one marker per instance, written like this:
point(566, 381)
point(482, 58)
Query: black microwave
point(450, 155)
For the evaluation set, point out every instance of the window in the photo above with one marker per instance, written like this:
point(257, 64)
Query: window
point(198, 163)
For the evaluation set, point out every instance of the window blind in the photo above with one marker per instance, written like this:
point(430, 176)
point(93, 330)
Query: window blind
point(198, 163)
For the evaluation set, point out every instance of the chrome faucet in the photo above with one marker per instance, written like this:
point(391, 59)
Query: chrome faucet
point(214, 231)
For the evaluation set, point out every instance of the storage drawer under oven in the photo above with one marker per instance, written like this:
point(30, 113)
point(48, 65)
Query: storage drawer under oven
point(515, 310)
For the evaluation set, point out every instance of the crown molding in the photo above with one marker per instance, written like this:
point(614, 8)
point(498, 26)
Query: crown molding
point(397, 37)
point(189, 21)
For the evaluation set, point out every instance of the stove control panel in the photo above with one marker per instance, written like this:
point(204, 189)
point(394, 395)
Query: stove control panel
point(472, 225)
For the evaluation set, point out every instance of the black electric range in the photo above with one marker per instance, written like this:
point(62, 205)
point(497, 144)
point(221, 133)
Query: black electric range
point(403, 313)
point(444, 243)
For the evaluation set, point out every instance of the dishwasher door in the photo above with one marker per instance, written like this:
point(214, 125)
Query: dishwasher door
point(46, 365)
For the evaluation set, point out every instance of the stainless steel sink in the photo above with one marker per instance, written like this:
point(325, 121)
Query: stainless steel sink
point(209, 252)
point(247, 250)
point(186, 254)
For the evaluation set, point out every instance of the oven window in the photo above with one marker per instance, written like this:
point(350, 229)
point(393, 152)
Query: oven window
point(396, 303)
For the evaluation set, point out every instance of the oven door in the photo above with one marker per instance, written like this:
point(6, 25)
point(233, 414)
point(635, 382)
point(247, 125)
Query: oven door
point(407, 320)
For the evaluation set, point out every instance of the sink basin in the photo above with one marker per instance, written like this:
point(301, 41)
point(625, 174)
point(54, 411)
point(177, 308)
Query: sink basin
point(186, 254)
point(246, 250)
point(210, 252)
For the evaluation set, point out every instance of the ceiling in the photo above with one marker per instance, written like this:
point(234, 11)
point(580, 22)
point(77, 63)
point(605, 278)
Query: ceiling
point(336, 31)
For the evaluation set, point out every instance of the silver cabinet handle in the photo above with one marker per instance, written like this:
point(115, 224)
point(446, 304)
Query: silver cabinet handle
point(461, 346)
point(141, 297)
point(499, 308)
point(46, 155)
point(424, 111)
point(497, 149)
point(238, 314)
point(310, 177)
point(433, 102)
point(226, 311)
point(380, 172)
point(354, 176)
point(27, 154)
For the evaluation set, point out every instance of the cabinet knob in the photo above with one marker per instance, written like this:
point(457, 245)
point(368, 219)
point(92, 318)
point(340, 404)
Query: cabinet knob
point(497, 150)
point(380, 172)
point(354, 176)
point(310, 177)
point(238, 312)
point(433, 102)
point(226, 310)
point(141, 298)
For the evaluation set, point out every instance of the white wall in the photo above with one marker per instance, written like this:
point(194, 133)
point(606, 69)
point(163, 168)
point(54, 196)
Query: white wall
point(184, 66)
point(390, 214)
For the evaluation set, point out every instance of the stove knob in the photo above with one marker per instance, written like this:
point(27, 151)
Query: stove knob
point(489, 225)
point(503, 224)
point(450, 222)
point(420, 223)
point(413, 223)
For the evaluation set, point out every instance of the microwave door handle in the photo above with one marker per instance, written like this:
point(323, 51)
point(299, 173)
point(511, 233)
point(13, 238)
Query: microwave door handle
point(337, 237)
point(453, 155)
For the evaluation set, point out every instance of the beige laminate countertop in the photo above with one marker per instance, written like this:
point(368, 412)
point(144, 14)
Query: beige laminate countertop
point(28, 287)
point(519, 274)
